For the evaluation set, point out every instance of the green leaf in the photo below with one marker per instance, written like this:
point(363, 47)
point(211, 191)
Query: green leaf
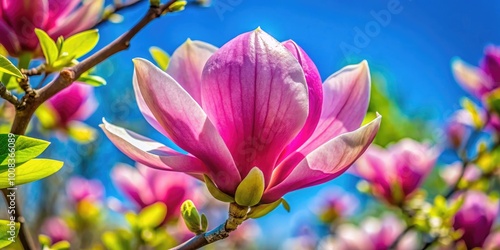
point(161, 57)
point(285, 205)
point(44, 240)
point(131, 218)
point(49, 47)
point(91, 80)
point(61, 245)
point(9, 81)
point(117, 240)
point(152, 216)
point(25, 148)
point(30, 171)
point(215, 192)
point(191, 216)
point(7, 67)
point(8, 232)
point(177, 6)
point(204, 223)
point(251, 189)
point(264, 209)
point(80, 44)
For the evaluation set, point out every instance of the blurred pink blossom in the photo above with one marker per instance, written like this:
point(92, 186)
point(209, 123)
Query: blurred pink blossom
point(145, 186)
point(476, 218)
point(56, 229)
point(18, 20)
point(396, 172)
point(334, 203)
point(253, 104)
point(79, 189)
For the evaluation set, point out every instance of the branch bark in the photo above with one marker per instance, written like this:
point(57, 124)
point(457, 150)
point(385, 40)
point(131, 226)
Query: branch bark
point(32, 100)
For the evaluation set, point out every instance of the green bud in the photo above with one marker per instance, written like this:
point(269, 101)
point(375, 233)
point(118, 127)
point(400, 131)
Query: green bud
point(152, 216)
point(177, 6)
point(204, 223)
point(191, 217)
point(215, 192)
point(251, 189)
point(264, 209)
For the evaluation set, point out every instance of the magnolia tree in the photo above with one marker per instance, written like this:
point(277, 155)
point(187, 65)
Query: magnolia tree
point(251, 121)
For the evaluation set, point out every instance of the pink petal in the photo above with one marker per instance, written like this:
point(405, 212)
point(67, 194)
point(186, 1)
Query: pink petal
point(60, 9)
point(151, 153)
point(255, 92)
point(75, 102)
point(186, 66)
point(9, 39)
point(321, 165)
point(24, 17)
point(315, 88)
point(376, 164)
point(345, 101)
point(491, 64)
point(471, 78)
point(82, 19)
point(186, 123)
point(133, 184)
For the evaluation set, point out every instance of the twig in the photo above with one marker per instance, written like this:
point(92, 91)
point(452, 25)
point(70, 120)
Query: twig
point(114, 8)
point(40, 69)
point(7, 95)
point(395, 243)
point(237, 214)
point(67, 77)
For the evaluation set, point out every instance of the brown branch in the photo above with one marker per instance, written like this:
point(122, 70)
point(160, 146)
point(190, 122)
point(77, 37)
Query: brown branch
point(40, 69)
point(67, 76)
point(7, 95)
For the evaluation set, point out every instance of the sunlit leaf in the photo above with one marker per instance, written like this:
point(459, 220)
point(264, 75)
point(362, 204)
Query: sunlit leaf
point(152, 216)
point(8, 232)
point(7, 67)
point(24, 148)
point(49, 47)
point(80, 44)
point(161, 57)
point(92, 80)
point(30, 171)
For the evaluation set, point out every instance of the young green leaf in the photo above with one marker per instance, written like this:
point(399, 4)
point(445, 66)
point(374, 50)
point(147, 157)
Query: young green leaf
point(91, 80)
point(152, 216)
point(48, 45)
point(30, 171)
point(25, 148)
point(80, 44)
point(204, 223)
point(7, 67)
point(216, 192)
point(8, 232)
point(161, 57)
point(264, 209)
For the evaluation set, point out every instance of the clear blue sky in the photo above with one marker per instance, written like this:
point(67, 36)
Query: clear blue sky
point(413, 50)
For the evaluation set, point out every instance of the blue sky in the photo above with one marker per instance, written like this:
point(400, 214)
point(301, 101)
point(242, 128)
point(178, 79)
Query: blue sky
point(413, 50)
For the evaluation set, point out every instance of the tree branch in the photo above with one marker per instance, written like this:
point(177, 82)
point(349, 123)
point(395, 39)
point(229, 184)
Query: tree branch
point(115, 8)
point(67, 76)
point(7, 95)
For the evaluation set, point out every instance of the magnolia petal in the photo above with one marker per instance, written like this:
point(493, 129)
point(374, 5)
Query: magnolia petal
point(24, 17)
point(60, 9)
point(133, 184)
point(471, 78)
point(88, 106)
point(375, 163)
point(149, 152)
point(321, 165)
point(315, 90)
point(82, 19)
point(255, 92)
point(8, 39)
point(491, 64)
point(186, 123)
point(186, 66)
point(70, 101)
point(346, 95)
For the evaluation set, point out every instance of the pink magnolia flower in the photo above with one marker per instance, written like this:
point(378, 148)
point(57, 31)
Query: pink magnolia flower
point(483, 80)
point(476, 218)
point(333, 204)
point(372, 234)
point(146, 186)
point(252, 104)
point(72, 105)
point(492, 242)
point(395, 173)
point(18, 20)
point(79, 189)
point(451, 173)
point(56, 229)
point(458, 128)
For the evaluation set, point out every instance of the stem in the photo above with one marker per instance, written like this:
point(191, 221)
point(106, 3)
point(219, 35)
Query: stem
point(237, 214)
point(24, 233)
point(7, 95)
point(400, 237)
point(33, 99)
